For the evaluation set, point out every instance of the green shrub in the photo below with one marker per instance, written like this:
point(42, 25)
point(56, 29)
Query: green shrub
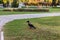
point(27, 9)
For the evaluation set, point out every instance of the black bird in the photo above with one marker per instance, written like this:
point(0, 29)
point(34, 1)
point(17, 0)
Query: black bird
point(31, 25)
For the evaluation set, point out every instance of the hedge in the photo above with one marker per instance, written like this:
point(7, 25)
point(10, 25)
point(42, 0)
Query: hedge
point(28, 9)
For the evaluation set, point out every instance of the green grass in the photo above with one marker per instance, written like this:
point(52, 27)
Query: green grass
point(54, 9)
point(13, 12)
point(47, 28)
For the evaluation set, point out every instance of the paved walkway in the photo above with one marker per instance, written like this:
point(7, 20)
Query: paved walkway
point(6, 18)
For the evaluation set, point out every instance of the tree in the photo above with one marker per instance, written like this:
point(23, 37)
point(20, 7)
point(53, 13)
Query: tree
point(54, 3)
point(15, 3)
point(58, 2)
point(1, 2)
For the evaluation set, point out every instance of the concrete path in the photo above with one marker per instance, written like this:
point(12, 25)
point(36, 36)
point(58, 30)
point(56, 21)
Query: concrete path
point(7, 18)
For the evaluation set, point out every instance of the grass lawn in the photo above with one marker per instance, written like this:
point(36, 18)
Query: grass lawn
point(54, 9)
point(13, 12)
point(47, 28)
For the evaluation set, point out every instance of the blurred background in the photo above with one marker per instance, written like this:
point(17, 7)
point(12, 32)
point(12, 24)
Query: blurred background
point(30, 3)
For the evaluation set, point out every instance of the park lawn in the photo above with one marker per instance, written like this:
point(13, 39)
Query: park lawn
point(54, 9)
point(47, 28)
point(13, 12)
